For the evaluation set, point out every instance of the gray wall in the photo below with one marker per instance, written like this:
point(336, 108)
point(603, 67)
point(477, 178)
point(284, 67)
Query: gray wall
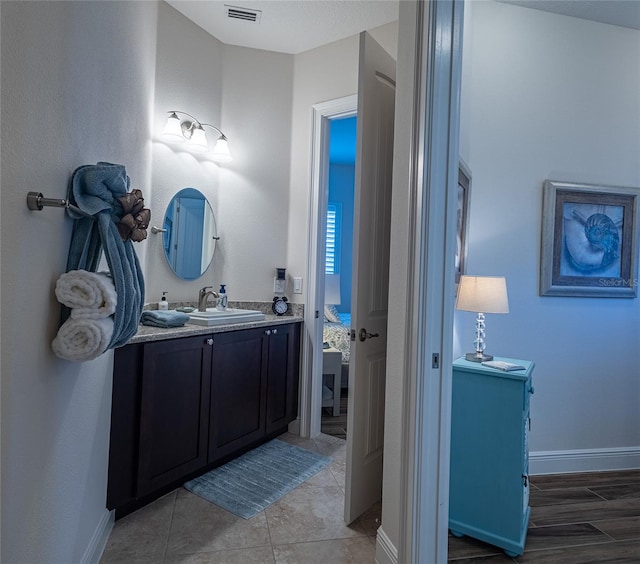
point(549, 96)
point(543, 96)
point(246, 93)
point(77, 85)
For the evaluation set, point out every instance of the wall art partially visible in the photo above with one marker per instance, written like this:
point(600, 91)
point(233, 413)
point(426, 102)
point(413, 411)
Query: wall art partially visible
point(462, 218)
point(589, 240)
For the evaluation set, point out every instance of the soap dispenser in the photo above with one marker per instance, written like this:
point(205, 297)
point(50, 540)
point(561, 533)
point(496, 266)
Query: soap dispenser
point(221, 303)
point(163, 304)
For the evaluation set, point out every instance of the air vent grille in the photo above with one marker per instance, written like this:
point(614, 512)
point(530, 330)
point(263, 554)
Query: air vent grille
point(244, 14)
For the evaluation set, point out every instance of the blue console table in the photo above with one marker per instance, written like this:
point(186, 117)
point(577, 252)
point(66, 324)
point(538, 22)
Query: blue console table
point(489, 477)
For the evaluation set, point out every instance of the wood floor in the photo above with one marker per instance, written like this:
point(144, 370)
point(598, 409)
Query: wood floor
point(336, 426)
point(575, 519)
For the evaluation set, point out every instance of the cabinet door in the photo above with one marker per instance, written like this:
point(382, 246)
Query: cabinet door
point(238, 391)
point(125, 420)
point(282, 376)
point(174, 411)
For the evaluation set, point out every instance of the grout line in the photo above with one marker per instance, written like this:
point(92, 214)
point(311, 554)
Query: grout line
point(166, 542)
point(266, 518)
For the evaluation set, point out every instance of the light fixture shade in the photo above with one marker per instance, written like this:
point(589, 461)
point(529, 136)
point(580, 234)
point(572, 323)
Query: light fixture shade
point(198, 141)
point(483, 294)
point(221, 152)
point(332, 289)
point(172, 130)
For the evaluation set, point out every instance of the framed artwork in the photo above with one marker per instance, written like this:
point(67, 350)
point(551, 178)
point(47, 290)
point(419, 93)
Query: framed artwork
point(589, 240)
point(462, 218)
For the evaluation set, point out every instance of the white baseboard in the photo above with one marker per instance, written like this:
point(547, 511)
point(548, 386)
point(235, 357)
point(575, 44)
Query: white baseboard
point(99, 539)
point(587, 460)
point(386, 552)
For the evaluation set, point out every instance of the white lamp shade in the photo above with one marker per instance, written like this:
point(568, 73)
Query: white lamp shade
point(332, 289)
point(483, 294)
point(172, 130)
point(221, 152)
point(198, 141)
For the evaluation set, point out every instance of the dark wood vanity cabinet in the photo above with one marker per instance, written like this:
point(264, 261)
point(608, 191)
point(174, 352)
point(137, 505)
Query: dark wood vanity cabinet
point(183, 406)
point(174, 411)
point(238, 391)
point(283, 348)
point(254, 388)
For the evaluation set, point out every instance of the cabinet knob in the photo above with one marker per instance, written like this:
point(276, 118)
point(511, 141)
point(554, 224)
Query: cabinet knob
point(267, 332)
point(209, 342)
point(275, 331)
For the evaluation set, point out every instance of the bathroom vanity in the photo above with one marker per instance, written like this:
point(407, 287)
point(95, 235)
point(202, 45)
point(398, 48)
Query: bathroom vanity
point(190, 399)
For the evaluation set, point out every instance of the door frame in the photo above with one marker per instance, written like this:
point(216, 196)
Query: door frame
point(434, 54)
point(431, 51)
point(311, 382)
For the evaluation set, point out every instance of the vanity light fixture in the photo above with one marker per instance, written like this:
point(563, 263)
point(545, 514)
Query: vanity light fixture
point(192, 131)
point(482, 294)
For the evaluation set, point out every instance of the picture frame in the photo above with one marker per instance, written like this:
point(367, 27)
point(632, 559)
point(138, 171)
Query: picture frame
point(589, 242)
point(462, 219)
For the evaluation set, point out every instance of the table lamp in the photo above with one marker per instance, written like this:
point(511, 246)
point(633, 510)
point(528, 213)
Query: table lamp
point(482, 294)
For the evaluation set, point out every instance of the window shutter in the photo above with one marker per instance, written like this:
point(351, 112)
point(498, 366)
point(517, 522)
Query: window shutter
point(332, 239)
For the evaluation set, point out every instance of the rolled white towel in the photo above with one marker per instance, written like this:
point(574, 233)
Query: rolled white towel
point(83, 339)
point(90, 295)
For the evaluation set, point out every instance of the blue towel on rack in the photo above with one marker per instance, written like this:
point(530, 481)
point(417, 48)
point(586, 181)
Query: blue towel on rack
point(159, 318)
point(94, 189)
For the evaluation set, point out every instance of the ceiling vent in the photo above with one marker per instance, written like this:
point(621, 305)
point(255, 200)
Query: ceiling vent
point(244, 14)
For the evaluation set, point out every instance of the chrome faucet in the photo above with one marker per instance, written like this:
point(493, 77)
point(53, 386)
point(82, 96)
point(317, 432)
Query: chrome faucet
point(203, 296)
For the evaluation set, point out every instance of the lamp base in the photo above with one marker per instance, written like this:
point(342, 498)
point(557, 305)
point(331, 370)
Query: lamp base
point(478, 357)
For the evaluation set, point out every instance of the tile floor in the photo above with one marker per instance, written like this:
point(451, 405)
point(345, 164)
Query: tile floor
point(305, 526)
point(575, 519)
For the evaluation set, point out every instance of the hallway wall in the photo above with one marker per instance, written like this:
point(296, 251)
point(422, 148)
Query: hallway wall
point(77, 88)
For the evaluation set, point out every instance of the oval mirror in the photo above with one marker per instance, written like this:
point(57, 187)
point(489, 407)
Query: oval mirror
point(190, 236)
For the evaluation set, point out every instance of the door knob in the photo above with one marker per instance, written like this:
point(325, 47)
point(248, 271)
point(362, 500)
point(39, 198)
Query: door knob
point(364, 335)
point(209, 342)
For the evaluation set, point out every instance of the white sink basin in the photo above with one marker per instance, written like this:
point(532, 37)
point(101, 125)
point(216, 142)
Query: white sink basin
point(215, 317)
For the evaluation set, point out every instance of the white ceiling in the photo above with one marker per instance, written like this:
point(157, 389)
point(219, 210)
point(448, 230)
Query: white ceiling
point(624, 13)
point(289, 26)
point(294, 26)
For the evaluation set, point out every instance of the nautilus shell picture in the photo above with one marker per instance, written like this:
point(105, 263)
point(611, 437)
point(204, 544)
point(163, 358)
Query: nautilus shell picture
point(592, 236)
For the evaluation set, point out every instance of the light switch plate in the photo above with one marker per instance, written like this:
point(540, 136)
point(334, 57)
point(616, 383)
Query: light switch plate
point(297, 284)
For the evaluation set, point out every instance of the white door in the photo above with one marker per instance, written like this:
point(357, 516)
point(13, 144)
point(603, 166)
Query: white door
point(370, 284)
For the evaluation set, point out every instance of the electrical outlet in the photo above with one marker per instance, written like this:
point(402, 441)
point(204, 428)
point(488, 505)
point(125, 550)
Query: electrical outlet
point(278, 286)
point(297, 284)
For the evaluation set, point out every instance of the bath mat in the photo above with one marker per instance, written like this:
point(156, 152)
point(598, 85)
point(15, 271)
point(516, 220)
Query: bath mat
point(248, 484)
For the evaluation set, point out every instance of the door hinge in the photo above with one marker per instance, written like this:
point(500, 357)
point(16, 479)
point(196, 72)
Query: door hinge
point(317, 314)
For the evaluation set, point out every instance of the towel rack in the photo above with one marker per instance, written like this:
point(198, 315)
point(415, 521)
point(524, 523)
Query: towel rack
point(36, 202)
